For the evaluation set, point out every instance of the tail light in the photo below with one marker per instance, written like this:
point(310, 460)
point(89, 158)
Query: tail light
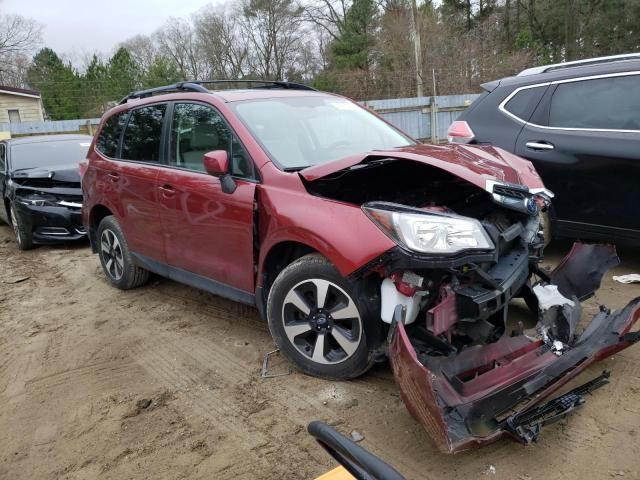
point(460, 132)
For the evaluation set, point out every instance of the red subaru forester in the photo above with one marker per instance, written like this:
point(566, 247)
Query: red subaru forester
point(356, 243)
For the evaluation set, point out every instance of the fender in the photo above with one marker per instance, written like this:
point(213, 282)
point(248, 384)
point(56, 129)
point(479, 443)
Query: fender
point(339, 231)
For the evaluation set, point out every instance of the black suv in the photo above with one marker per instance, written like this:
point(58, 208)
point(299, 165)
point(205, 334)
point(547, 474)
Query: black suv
point(579, 124)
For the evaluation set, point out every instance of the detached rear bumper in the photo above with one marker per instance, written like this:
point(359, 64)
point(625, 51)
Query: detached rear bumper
point(481, 394)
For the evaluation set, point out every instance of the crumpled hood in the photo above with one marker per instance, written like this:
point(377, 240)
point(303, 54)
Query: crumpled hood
point(58, 173)
point(473, 163)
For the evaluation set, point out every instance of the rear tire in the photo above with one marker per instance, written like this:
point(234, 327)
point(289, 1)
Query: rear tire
point(117, 264)
point(24, 236)
point(316, 319)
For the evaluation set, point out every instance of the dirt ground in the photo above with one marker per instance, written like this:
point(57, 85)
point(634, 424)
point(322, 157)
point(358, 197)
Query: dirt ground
point(163, 382)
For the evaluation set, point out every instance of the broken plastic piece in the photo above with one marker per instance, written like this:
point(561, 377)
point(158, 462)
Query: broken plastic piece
point(581, 271)
point(526, 427)
point(549, 296)
point(630, 278)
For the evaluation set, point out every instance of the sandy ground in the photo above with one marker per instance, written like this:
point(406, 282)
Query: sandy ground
point(163, 382)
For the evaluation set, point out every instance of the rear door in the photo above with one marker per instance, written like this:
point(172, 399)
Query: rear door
point(584, 140)
point(131, 180)
point(209, 233)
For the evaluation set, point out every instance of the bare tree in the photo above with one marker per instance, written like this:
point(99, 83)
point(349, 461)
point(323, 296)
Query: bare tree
point(274, 31)
point(218, 34)
point(330, 15)
point(177, 39)
point(19, 37)
point(142, 49)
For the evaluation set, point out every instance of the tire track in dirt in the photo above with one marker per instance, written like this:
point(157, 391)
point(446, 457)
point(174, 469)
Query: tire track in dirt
point(99, 377)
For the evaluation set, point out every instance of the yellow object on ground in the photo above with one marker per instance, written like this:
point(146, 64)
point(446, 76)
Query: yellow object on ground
point(338, 473)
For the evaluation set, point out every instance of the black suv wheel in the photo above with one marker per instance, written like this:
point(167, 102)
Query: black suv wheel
point(24, 236)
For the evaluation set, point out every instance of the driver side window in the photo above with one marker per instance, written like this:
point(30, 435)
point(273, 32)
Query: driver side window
point(197, 129)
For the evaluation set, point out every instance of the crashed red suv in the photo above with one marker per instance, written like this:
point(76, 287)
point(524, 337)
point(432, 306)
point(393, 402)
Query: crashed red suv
point(355, 242)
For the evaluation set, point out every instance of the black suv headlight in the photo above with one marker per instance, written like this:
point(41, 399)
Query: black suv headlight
point(38, 200)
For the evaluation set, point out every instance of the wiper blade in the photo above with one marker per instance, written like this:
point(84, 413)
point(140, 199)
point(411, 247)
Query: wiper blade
point(295, 169)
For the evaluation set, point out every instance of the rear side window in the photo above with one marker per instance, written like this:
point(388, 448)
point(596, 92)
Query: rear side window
point(3, 161)
point(606, 103)
point(523, 103)
point(107, 141)
point(141, 141)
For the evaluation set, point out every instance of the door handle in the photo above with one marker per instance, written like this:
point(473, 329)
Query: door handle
point(167, 191)
point(539, 145)
point(114, 177)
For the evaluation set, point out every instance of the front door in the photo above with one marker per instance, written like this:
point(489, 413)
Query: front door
point(584, 141)
point(208, 232)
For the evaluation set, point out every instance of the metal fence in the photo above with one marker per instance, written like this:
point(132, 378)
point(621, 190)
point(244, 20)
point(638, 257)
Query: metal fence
point(51, 127)
point(416, 116)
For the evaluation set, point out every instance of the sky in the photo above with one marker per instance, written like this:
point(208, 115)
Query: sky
point(79, 27)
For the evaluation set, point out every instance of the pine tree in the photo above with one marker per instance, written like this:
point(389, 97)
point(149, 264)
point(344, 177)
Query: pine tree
point(58, 84)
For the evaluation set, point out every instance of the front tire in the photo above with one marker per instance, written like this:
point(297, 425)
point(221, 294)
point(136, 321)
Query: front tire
point(24, 236)
point(115, 257)
point(316, 319)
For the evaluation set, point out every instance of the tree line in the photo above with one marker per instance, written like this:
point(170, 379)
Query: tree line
point(364, 49)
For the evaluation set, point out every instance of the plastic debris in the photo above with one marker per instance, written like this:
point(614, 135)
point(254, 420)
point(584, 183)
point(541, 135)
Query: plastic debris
point(549, 296)
point(630, 278)
point(356, 436)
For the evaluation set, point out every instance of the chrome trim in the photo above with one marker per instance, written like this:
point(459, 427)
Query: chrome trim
point(539, 146)
point(502, 108)
point(542, 191)
point(586, 61)
point(59, 231)
point(64, 203)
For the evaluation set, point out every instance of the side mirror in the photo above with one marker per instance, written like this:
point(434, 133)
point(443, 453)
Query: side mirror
point(216, 163)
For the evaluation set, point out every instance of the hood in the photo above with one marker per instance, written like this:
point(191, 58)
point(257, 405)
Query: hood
point(59, 173)
point(473, 163)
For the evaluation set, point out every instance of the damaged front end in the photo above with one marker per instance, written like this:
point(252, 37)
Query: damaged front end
point(48, 202)
point(467, 228)
point(471, 396)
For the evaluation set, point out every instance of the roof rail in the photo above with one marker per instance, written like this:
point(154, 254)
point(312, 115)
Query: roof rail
point(265, 84)
point(579, 63)
point(177, 87)
point(197, 86)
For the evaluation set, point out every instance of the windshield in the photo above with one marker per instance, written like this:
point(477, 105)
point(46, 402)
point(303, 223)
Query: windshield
point(48, 154)
point(298, 132)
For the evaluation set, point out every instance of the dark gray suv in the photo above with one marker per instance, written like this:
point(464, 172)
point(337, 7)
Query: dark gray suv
point(579, 124)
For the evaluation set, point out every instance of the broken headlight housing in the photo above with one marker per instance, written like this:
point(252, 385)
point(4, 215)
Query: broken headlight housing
point(38, 200)
point(429, 232)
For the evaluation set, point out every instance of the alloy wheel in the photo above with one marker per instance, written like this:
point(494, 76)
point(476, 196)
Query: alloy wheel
point(111, 252)
point(322, 321)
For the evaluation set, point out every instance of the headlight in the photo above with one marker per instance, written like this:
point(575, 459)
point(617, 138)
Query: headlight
point(430, 233)
point(38, 200)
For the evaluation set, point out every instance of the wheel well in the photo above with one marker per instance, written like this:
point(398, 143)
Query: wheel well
point(97, 214)
point(279, 257)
